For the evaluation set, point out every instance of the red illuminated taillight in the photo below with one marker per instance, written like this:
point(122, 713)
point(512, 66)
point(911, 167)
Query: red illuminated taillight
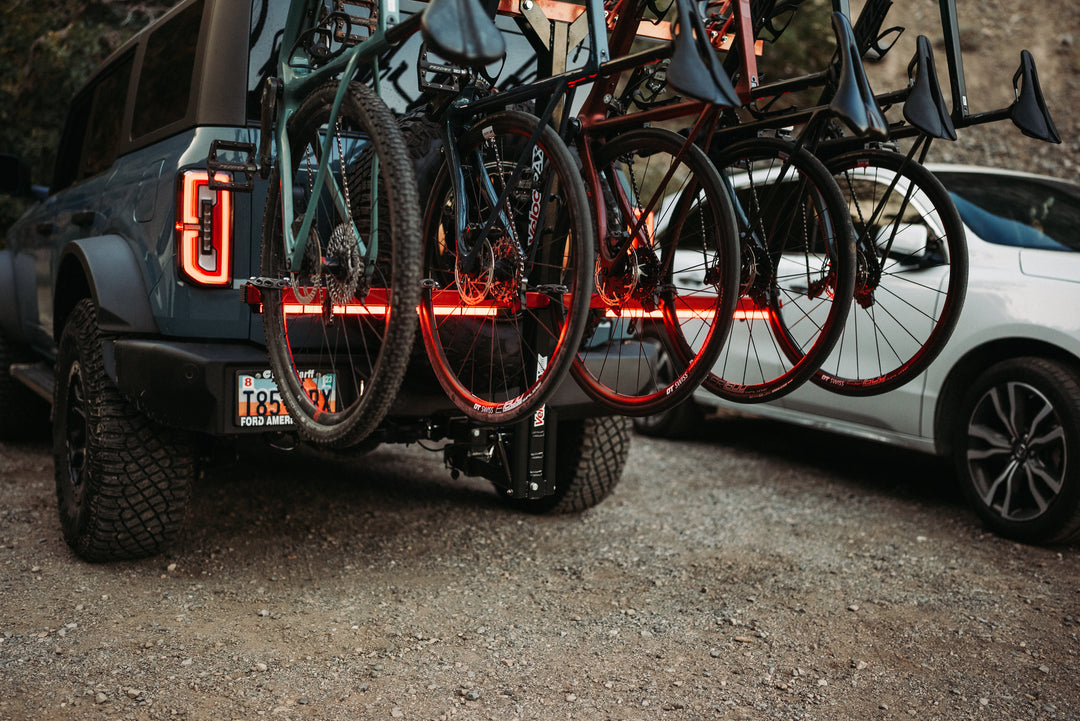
point(204, 220)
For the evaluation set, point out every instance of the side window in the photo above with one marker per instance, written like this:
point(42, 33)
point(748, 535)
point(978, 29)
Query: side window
point(165, 79)
point(71, 142)
point(1016, 211)
point(106, 118)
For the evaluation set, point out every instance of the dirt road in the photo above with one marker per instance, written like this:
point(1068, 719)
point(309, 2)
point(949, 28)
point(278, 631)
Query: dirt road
point(767, 573)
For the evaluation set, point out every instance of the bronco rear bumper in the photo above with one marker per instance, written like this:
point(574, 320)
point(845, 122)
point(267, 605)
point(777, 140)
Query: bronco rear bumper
point(193, 385)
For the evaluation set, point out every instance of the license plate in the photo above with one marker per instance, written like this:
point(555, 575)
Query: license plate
point(259, 404)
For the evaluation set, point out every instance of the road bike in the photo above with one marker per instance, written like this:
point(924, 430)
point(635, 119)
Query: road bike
point(636, 181)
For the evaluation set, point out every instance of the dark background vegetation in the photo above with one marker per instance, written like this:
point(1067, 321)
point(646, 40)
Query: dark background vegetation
point(48, 48)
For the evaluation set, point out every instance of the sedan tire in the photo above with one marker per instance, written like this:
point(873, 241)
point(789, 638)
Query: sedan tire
point(1017, 449)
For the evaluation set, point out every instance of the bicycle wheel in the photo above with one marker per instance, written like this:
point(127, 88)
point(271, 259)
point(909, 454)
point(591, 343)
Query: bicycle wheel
point(501, 328)
point(797, 273)
point(339, 331)
point(912, 273)
point(664, 301)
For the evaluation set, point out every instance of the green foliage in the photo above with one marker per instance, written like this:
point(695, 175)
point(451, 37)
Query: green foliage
point(47, 50)
point(806, 46)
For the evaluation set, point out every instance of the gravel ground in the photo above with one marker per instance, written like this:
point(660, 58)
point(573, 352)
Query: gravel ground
point(759, 572)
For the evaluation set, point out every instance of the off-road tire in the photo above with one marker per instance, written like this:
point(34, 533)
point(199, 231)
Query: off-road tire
point(592, 455)
point(122, 481)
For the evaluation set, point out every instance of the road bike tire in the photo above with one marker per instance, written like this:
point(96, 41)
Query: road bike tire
point(500, 335)
point(661, 313)
point(911, 286)
point(335, 318)
point(795, 289)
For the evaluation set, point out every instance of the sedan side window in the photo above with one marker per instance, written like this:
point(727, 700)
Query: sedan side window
point(1017, 212)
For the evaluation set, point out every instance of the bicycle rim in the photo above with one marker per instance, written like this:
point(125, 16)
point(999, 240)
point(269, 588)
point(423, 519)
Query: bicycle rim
point(500, 328)
point(797, 270)
point(662, 309)
point(912, 273)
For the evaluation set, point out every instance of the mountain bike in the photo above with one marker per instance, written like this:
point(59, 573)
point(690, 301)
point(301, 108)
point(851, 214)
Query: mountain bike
point(342, 263)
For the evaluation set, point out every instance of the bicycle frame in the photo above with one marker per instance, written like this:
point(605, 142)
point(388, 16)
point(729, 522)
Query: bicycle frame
point(299, 74)
point(593, 123)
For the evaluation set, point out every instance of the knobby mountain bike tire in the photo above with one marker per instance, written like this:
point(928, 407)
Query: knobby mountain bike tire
point(662, 309)
point(797, 269)
point(339, 334)
point(913, 266)
point(500, 328)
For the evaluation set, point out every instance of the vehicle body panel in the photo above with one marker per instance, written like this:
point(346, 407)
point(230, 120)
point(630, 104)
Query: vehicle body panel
point(1022, 299)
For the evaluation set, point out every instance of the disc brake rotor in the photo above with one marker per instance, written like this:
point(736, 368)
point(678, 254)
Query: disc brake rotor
point(617, 287)
point(473, 287)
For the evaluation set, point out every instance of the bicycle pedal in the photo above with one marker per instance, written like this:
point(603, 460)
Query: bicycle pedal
point(353, 20)
point(448, 76)
point(244, 169)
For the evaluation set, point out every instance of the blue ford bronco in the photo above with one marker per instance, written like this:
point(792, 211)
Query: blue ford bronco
point(121, 303)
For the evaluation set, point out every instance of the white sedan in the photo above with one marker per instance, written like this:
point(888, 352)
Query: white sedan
point(1002, 401)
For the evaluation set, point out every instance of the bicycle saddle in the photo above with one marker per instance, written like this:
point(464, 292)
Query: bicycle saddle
point(925, 106)
point(694, 69)
point(854, 100)
point(1029, 111)
point(462, 32)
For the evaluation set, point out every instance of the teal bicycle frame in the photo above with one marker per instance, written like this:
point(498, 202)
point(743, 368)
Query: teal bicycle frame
point(299, 75)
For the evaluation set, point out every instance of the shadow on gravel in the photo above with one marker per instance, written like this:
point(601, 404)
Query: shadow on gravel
point(295, 502)
point(865, 464)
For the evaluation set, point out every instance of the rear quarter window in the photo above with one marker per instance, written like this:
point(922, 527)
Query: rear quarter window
point(103, 126)
point(164, 92)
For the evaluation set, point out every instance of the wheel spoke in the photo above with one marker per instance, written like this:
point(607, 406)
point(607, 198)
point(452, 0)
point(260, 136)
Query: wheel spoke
point(1040, 502)
point(1004, 478)
point(996, 439)
point(1005, 410)
point(1037, 470)
point(1055, 434)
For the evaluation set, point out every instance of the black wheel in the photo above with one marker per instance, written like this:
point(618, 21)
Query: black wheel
point(1016, 449)
point(912, 277)
point(500, 328)
point(592, 455)
point(21, 412)
point(122, 482)
point(339, 331)
point(671, 272)
point(797, 274)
